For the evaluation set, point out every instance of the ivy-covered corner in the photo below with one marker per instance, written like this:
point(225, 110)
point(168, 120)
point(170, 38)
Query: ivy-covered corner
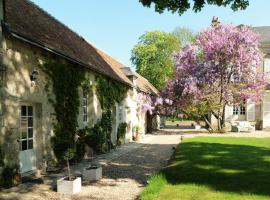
point(121, 133)
point(64, 81)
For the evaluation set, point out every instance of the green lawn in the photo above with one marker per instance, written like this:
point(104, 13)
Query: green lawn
point(215, 168)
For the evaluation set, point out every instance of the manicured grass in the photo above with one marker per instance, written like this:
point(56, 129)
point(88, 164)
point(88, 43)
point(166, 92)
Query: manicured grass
point(215, 168)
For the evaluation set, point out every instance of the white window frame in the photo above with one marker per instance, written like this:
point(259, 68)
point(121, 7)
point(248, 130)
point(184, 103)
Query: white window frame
point(27, 127)
point(240, 109)
point(120, 113)
point(85, 106)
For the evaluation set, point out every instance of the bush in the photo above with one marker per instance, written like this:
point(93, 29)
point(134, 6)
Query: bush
point(121, 133)
point(80, 145)
point(96, 138)
point(10, 176)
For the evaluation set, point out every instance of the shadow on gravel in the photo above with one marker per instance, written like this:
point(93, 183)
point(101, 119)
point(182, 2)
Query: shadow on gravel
point(136, 165)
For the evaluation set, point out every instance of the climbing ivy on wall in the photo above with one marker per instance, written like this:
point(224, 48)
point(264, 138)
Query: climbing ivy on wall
point(109, 92)
point(66, 80)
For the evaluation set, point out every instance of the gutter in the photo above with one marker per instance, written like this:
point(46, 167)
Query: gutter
point(51, 50)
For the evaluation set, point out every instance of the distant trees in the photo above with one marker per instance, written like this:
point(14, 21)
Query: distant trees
point(153, 56)
point(184, 35)
point(181, 6)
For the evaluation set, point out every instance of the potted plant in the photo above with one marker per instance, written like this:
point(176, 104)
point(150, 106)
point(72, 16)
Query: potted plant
point(258, 125)
point(92, 172)
point(69, 184)
point(137, 134)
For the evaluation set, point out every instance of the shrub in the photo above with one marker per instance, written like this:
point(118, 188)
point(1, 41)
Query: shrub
point(10, 176)
point(121, 133)
point(79, 145)
point(96, 137)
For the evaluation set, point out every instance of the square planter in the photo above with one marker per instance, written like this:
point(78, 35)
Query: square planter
point(197, 127)
point(64, 186)
point(92, 173)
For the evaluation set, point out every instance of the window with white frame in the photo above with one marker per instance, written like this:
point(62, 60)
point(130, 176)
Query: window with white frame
point(235, 109)
point(85, 106)
point(242, 110)
point(120, 113)
point(239, 109)
point(266, 64)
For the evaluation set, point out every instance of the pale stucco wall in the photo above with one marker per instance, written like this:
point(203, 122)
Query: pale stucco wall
point(20, 60)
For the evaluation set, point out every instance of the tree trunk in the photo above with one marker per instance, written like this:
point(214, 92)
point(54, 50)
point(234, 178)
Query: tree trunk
point(223, 117)
point(210, 128)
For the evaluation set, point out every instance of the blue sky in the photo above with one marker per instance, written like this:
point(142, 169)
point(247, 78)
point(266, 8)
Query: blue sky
point(115, 25)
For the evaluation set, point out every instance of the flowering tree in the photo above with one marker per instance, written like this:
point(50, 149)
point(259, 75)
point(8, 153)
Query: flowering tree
point(153, 104)
point(220, 68)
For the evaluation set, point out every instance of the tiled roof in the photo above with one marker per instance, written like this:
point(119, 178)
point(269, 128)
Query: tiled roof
point(145, 85)
point(31, 22)
point(142, 83)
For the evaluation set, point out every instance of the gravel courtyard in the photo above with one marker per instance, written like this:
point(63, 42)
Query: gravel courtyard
point(125, 172)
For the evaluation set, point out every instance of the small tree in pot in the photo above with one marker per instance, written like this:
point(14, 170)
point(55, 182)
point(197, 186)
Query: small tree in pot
point(70, 184)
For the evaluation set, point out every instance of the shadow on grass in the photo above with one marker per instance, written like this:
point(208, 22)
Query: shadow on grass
point(223, 167)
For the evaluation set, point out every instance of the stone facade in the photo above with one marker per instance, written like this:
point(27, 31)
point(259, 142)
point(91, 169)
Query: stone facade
point(19, 61)
point(259, 112)
point(26, 115)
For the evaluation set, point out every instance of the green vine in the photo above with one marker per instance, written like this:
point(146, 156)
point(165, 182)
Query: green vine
point(109, 92)
point(121, 133)
point(66, 80)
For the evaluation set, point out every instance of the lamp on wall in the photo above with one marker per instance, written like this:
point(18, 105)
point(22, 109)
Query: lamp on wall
point(33, 77)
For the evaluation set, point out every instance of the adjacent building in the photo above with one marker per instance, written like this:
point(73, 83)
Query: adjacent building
point(258, 113)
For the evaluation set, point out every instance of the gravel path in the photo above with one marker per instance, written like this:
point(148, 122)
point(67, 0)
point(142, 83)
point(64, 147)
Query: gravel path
point(124, 174)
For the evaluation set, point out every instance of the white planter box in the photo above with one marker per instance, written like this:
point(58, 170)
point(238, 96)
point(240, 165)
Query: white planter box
point(90, 174)
point(69, 187)
point(197, 127)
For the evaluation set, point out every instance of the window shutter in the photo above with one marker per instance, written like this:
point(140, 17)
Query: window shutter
point(266, 110)
point(250, 111)
point(229, 113)
point(266, 65)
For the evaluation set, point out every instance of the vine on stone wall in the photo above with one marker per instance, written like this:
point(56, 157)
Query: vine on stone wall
point(109, 92)
point(66, 80)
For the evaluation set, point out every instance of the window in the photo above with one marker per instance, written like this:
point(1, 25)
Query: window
point(85, 106)
point(27, 135)
point(242, 110)
point(239, 109)
point(235, 109)
point(120, 113)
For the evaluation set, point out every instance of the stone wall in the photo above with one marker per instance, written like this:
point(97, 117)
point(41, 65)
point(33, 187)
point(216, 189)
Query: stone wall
point(20, 60)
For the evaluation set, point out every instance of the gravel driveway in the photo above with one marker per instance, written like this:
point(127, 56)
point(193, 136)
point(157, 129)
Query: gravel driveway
point(125, 174)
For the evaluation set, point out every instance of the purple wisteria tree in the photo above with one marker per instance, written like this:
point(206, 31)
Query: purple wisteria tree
point(220, 68)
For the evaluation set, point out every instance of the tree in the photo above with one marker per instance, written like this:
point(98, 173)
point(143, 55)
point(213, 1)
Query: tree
point(219, 69)
point(181, 6)
point(184, 35)
point(153, 58)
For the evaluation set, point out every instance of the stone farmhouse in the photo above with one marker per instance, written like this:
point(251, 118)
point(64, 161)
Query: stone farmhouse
point(30, 36)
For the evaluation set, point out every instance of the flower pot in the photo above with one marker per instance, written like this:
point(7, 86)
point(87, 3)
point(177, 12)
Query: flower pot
point(92, 173)
point(197, 127)
point(138, 136)
point(65, 186)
